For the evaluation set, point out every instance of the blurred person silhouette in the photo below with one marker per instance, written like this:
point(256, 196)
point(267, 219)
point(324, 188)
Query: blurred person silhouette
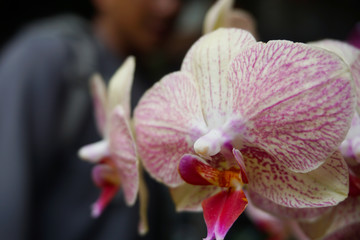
point(46, 116)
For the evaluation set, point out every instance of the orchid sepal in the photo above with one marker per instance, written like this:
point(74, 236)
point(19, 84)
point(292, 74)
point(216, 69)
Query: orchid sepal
point(187, 197)
point(95, 152)
point(194, 171)
point(100, 101)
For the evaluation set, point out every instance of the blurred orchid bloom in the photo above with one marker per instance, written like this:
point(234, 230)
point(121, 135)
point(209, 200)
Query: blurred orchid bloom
point(268, 117)
point(115, 156)
point(276, 228)
point(329, 223)
point(222, 14)
point(354, 37)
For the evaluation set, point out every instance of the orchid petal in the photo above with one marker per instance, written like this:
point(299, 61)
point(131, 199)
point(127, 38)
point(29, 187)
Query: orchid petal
point(275, 227)
point(98, 90)
point(170, 114)
point(191, 167)
point(325, 186)
point(350, 147)
point(240, 160)
point(123, 152)
point(188, 197)
point(343, 221)
point(120, 86)
point(194, 171)
point(351, 55)
point(351, 231)
point(221, 211)
point(216, 16)
point(208, 62)
point(95, 152)
point(285, 212)
point(107, 194)
point(292, 100)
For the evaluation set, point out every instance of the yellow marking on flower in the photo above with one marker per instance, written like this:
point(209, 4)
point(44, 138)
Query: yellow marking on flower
point(222, 178)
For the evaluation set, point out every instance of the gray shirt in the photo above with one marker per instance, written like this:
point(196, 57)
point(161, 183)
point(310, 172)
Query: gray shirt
point(45, 117)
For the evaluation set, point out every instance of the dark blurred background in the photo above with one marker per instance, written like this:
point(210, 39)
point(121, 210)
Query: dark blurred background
point(297, 20)
point(16, 14)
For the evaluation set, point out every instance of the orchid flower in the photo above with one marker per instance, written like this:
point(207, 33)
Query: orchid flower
point(222, 14)
point(266, 117)
point(115, 155)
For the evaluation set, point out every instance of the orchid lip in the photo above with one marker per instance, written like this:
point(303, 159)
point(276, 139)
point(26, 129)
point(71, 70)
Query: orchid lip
point(194, 171)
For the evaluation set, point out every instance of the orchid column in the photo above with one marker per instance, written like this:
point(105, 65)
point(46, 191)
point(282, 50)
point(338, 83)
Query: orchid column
point(243, 116)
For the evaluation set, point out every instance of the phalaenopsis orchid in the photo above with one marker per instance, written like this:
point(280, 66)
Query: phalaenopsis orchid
point(115, 156)
point(244, 117)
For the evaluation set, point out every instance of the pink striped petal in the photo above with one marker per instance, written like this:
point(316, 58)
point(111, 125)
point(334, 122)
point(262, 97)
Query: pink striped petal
point(168, 120)
point(123, 153)
point(351, 55)
point(325, 186)
point(208, 62)
point(188, 197)
point(295, 101)
point(120, 86)
point(98, 91)
point(221, 211)
point(285, 212)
